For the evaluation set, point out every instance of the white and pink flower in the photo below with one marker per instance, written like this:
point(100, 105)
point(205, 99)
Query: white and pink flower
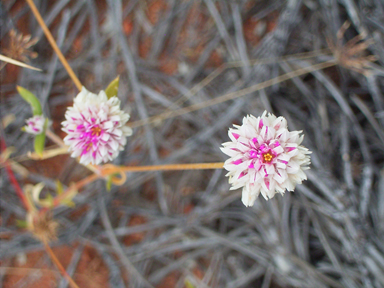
point(265, 157)
point(96, 127)
point(35, 125)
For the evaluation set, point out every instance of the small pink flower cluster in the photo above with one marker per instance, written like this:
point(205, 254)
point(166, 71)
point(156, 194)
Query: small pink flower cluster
point(96, 127)
point(264, 157)
point(35, 125)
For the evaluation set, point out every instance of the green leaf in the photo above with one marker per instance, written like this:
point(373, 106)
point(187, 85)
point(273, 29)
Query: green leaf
point(49, 200)
point(112, 88)
point(21, 223)
point(31, 99)
point(39, 144)
point(109, 183)
point(59, 187)
point(40, 140)
point(188, 284)
point(68, 203)
point(70, 194)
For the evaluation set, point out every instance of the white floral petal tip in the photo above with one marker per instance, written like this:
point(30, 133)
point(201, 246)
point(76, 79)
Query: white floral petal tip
point(35, 125)
point(96, 128)
point(265, 158)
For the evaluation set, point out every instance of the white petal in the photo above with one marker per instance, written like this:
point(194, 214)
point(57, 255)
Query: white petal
point(292, 167)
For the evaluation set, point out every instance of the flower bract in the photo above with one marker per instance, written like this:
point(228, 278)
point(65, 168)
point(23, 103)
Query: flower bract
point(265, 157)
point(96, 127)
point(35, 125)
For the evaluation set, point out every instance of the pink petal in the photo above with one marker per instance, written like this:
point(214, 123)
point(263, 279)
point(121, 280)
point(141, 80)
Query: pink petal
point(237, 162)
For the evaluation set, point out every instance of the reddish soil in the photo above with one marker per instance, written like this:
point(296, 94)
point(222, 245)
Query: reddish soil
point(39, 272)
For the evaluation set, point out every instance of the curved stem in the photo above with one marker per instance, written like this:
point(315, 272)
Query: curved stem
point(53, 44)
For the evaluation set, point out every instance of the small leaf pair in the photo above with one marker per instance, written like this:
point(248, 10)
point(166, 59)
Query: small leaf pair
point(38, 124)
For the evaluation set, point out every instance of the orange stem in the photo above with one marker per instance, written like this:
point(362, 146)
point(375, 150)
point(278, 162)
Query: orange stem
point(53, 44)
point(86, 181)
point(57, 200)
point(111, 169)
point(58, 265)
point(77, 186)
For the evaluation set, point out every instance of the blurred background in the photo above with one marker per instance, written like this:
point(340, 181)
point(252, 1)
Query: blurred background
point(185, 228)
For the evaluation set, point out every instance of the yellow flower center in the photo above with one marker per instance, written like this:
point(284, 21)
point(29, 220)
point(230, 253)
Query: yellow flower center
point(96, 131)
point(267, 157)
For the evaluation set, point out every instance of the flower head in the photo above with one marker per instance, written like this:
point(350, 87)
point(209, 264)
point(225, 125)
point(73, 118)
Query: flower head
point(265, 157)
point(352, 55)
point(19, 46)
point(35, 125)
point(96, 127)
point(42, 226)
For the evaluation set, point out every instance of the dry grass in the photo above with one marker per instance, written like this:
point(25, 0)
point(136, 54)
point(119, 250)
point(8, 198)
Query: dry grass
point(189, 70)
